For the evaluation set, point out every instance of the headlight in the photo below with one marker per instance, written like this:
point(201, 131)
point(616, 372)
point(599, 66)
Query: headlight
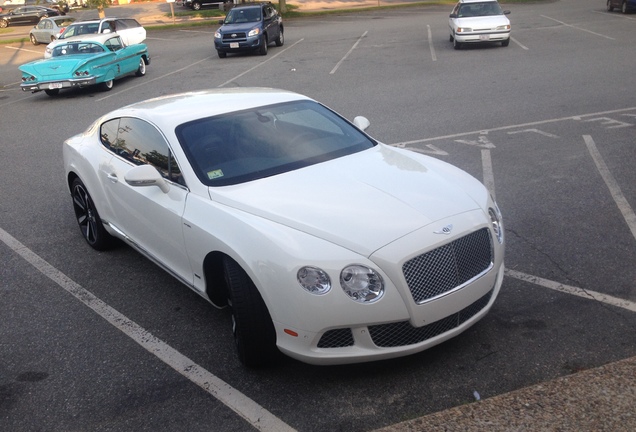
point(217, 35)
point(504, 27)
point(464, 30)
point(362, 284)
point(314, 280)
point(495, 222)
point(254, 32)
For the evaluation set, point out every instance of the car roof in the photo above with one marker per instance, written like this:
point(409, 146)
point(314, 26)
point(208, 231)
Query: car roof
point(91, 37)
point(172, 110)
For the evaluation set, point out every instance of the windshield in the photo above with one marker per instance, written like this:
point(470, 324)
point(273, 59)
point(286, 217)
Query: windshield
point(247, 145)
point(76, 48)
point(243, 15)
point(479, 9)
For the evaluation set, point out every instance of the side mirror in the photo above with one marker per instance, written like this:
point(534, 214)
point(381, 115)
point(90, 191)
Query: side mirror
point(506, 12)
point(106, 31)
point(221, 22)
point(452, 16)
point(146, 175)
point(361, 123)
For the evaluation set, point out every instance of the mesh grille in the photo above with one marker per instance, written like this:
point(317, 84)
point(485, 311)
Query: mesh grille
point(337, 338)
point(449, 266)
point(403, 333)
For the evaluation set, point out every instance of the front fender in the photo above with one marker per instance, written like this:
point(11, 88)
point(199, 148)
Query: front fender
point(272, 254)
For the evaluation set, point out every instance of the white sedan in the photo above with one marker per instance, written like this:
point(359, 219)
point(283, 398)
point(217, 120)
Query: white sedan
point(475, 21)
point(325, 244)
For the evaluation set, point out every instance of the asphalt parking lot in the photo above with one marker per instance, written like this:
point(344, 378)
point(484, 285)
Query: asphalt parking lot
point(108, 341)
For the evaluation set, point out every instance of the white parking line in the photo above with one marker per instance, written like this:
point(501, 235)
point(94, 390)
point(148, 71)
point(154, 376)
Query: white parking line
point(502, 128)
point(519, 43)
point(489, 177)
point(249, 410)
point(347, 54)
point(22, 49)
point(567, 289)
point(260, 64)
point(578, 28)
point(430, 42)
point(620, 200)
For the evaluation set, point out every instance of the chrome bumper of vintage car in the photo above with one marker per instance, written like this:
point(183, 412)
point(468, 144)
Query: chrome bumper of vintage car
point(56, 85)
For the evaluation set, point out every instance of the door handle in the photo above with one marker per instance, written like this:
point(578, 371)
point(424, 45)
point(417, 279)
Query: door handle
point(112, 177)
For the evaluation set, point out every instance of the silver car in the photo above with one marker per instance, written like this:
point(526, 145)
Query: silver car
point(48, 29)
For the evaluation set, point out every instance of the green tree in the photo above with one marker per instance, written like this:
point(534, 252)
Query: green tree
point(100, 5)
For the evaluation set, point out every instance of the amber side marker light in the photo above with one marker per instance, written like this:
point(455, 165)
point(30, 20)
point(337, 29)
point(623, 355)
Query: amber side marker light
point(291, 332)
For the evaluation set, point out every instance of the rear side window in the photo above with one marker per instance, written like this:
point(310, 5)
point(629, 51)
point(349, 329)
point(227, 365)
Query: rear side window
point(127, 23)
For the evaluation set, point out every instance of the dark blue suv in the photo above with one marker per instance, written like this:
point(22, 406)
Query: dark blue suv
point(249, 27)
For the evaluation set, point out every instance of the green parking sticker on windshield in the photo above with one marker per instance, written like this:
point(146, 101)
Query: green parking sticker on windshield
point(215, 174)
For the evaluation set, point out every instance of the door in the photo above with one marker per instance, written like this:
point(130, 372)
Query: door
point(149, 217)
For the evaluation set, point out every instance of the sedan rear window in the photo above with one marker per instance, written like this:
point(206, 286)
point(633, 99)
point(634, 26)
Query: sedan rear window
point(256, 143)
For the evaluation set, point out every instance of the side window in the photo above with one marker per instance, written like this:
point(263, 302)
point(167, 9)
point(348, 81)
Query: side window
point(140, 143)
point(114, 44)
point(127, 23)
point(48, 24)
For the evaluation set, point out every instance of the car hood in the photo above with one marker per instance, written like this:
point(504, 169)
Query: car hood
point(241, 27)
point(482, 22)
point(362, 201)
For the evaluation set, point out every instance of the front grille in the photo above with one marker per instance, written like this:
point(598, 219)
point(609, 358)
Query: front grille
point(337, 338)
point(403, 333)
point(447, 267)
point(239, 37)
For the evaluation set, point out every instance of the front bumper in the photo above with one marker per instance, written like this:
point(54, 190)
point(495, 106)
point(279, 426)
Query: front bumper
point(482, 37)
point(407, 319)
point(58, 84)
point(248, 44)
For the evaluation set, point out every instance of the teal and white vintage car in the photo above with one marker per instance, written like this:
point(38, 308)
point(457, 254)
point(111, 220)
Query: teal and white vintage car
point(96, 59)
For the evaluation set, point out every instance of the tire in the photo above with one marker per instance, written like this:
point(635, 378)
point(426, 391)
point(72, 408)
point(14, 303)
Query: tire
point(450, 38)
point(52, 92)
point(53, 39)
point(280, 40)
point(34, 41)
point(263, 49)
point(456, 45)
point(88, 219)
point(4, 23)
point(505, 43)
point(141, 71)
point(610, 8)
point(196, 6)
point(222, 54)
point(254, 334)
point(106, 85)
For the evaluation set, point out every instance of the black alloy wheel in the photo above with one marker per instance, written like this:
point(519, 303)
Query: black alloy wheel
point(87, 217)
point(252, 326)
